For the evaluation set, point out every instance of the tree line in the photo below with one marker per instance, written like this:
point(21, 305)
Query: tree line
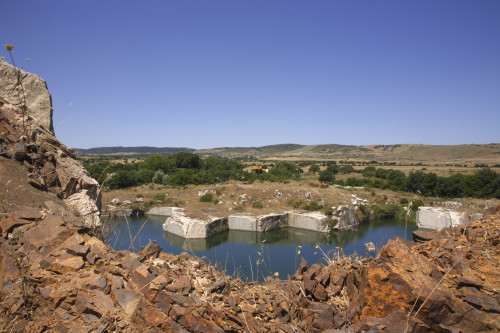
point(484, 183)
point(182, 169)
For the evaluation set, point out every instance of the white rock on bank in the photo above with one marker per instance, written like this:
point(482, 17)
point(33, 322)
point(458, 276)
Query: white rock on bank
point(315, 221)
point(187, 227)
point(437, 218)
point(165, 211)
point(241, 222)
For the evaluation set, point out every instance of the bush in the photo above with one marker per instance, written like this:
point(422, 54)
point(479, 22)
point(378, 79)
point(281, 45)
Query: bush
point(327, 210)
point(257, 204)
point(403, 201)
point(314, 168)
point(208, 197)
point(415, 203)
point(159, 197)
point(327, 176)
point(380, 211)
point(158, 176)
point(295, 203)
point(312, 206)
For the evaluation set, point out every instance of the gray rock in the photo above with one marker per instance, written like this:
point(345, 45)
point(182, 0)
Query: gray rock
point(272, 221)
point(345, 218)
point(37, 97)
point(27, 104)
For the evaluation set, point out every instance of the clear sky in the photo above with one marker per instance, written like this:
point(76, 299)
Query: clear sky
point(213, 73)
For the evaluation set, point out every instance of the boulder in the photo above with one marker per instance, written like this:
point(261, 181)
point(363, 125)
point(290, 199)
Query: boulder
point(85, 207)
point(37, 97)
point(345, 218)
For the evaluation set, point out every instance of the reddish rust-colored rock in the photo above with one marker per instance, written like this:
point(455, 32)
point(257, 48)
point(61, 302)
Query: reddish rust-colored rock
point(67, 263)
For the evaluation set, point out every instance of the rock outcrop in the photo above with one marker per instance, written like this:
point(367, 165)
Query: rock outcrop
point(345, 218)
point(27, 135)
point(55, 277)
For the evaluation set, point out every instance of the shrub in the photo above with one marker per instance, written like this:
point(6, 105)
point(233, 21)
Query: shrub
point(314, 168)
point(382, 210)
point(327, 210)
point(295, 203)
point(312, 206)
point(403, 201)
point(208, 197)
point(158, 176)
point(415, 204)
point(159, 197)
point(326, 176)
point(257, 204)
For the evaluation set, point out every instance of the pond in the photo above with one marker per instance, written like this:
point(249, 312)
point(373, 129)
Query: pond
point(252, 255)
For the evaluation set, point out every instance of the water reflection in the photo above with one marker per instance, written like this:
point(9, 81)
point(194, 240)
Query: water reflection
point(251, 255)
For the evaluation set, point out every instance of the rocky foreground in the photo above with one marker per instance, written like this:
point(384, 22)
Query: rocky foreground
point(57, 277)
point(56, 274)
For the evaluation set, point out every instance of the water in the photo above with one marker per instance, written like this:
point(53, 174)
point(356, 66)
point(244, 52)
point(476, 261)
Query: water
point(252, 255)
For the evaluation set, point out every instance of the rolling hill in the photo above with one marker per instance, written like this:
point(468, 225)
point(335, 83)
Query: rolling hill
point(467, 153)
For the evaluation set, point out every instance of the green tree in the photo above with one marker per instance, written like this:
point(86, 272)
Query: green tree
point(415, 182)
point(158, 176)
point(314, 168)
point(144, 176)
point(345, 169)
point(326, 176)
point(122, 179)
point(369, 171)
point(187, 160)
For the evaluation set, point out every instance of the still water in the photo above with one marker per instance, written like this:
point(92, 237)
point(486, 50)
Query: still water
point(252, 255)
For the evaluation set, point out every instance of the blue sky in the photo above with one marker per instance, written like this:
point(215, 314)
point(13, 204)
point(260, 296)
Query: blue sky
point(206, 74)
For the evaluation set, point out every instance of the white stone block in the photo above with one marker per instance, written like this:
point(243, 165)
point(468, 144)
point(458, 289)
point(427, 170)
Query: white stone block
point(437, 218)
point(241, 222)
point(315, 221)
point(164, 211)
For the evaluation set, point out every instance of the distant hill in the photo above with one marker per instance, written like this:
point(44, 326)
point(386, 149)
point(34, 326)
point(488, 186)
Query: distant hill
point(471, 153)
point(129, 150)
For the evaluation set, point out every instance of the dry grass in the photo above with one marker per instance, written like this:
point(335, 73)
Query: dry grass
point(262, 198)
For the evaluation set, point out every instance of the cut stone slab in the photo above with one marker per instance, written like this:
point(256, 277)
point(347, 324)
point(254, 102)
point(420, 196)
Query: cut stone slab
point(241, 222)
point(194, 228)
point(315, 221)
point(437, 218)
point(164, 211)
point(271, 222)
